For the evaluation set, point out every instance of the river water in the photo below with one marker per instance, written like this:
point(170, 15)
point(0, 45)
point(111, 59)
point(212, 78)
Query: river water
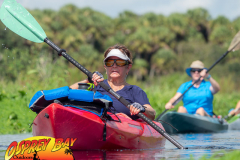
point(198, 144)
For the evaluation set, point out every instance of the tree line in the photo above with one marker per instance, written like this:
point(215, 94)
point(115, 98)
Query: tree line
point(160, 44)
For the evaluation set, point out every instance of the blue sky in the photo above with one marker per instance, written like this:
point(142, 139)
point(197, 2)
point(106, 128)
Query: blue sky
point(112, 8)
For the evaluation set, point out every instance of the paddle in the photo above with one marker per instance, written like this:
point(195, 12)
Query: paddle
point(234, 46)
point(220, 119)
point(20, 21)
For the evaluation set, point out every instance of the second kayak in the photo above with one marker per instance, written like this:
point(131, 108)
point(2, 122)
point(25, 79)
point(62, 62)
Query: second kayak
point(188, 123)
point(234, 122)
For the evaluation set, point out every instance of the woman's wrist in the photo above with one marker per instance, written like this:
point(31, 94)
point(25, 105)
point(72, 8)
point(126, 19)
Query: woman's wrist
point(208, 77)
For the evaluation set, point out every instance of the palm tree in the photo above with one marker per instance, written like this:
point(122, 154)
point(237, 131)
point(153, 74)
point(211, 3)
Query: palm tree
point(199, 18)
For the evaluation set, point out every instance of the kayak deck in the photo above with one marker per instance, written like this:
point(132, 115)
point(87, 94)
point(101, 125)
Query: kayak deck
point(188, 123)
point(234, 123)
point(66, 122)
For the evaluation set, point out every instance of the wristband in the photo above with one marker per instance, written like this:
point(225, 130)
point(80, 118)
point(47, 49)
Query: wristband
point(208, 77)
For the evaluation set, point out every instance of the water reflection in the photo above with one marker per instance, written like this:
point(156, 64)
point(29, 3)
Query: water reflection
point(118, 154)
point(205, 144)
point(198, 144)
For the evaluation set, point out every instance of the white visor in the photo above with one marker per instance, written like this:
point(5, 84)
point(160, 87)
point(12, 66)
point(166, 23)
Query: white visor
point(117, 53)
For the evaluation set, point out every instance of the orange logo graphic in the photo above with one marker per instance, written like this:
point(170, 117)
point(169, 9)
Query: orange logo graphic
point(41, 148)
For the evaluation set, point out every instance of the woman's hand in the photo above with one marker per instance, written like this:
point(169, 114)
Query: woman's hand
point(203, 74)
point(169, 106)
point(175, 99)
point(97, 77)
point(135, 108)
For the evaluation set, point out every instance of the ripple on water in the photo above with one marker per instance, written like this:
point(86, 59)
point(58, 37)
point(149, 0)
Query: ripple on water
point(211, 147)
point(198, 144)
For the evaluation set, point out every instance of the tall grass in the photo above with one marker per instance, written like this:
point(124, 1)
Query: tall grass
point(16, 117)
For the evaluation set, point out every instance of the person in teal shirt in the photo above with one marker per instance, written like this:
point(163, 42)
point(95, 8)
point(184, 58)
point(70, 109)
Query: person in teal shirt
point(198, 99)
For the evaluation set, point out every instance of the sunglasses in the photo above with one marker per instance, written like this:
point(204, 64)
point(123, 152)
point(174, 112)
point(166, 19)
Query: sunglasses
point(118, 62)
point(194, 70)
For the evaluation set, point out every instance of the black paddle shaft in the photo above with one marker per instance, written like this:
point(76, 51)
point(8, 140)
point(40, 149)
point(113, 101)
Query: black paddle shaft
point(109, 89)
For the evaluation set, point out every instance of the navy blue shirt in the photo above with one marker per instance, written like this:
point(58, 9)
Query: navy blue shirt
point(131, 93)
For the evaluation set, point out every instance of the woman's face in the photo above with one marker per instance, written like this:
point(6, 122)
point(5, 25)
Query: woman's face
point(195, 73)
point(117, 72)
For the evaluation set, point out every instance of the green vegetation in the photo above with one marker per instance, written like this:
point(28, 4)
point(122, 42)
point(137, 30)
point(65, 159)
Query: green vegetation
point(162, 47)
point(224, 156)
point(15, 97)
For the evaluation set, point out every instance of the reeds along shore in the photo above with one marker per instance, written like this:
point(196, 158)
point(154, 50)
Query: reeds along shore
point(16, 117)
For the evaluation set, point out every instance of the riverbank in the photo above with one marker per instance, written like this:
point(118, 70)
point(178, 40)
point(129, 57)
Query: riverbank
point(16, 117)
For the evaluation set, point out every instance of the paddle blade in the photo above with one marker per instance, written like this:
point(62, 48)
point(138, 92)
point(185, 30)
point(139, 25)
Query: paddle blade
point(235, 44)
point(15, 17)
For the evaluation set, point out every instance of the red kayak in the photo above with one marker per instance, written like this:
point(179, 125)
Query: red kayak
point(67, 122)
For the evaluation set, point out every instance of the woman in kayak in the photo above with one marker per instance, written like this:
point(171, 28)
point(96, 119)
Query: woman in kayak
point(118, 62)
point(198, 99)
